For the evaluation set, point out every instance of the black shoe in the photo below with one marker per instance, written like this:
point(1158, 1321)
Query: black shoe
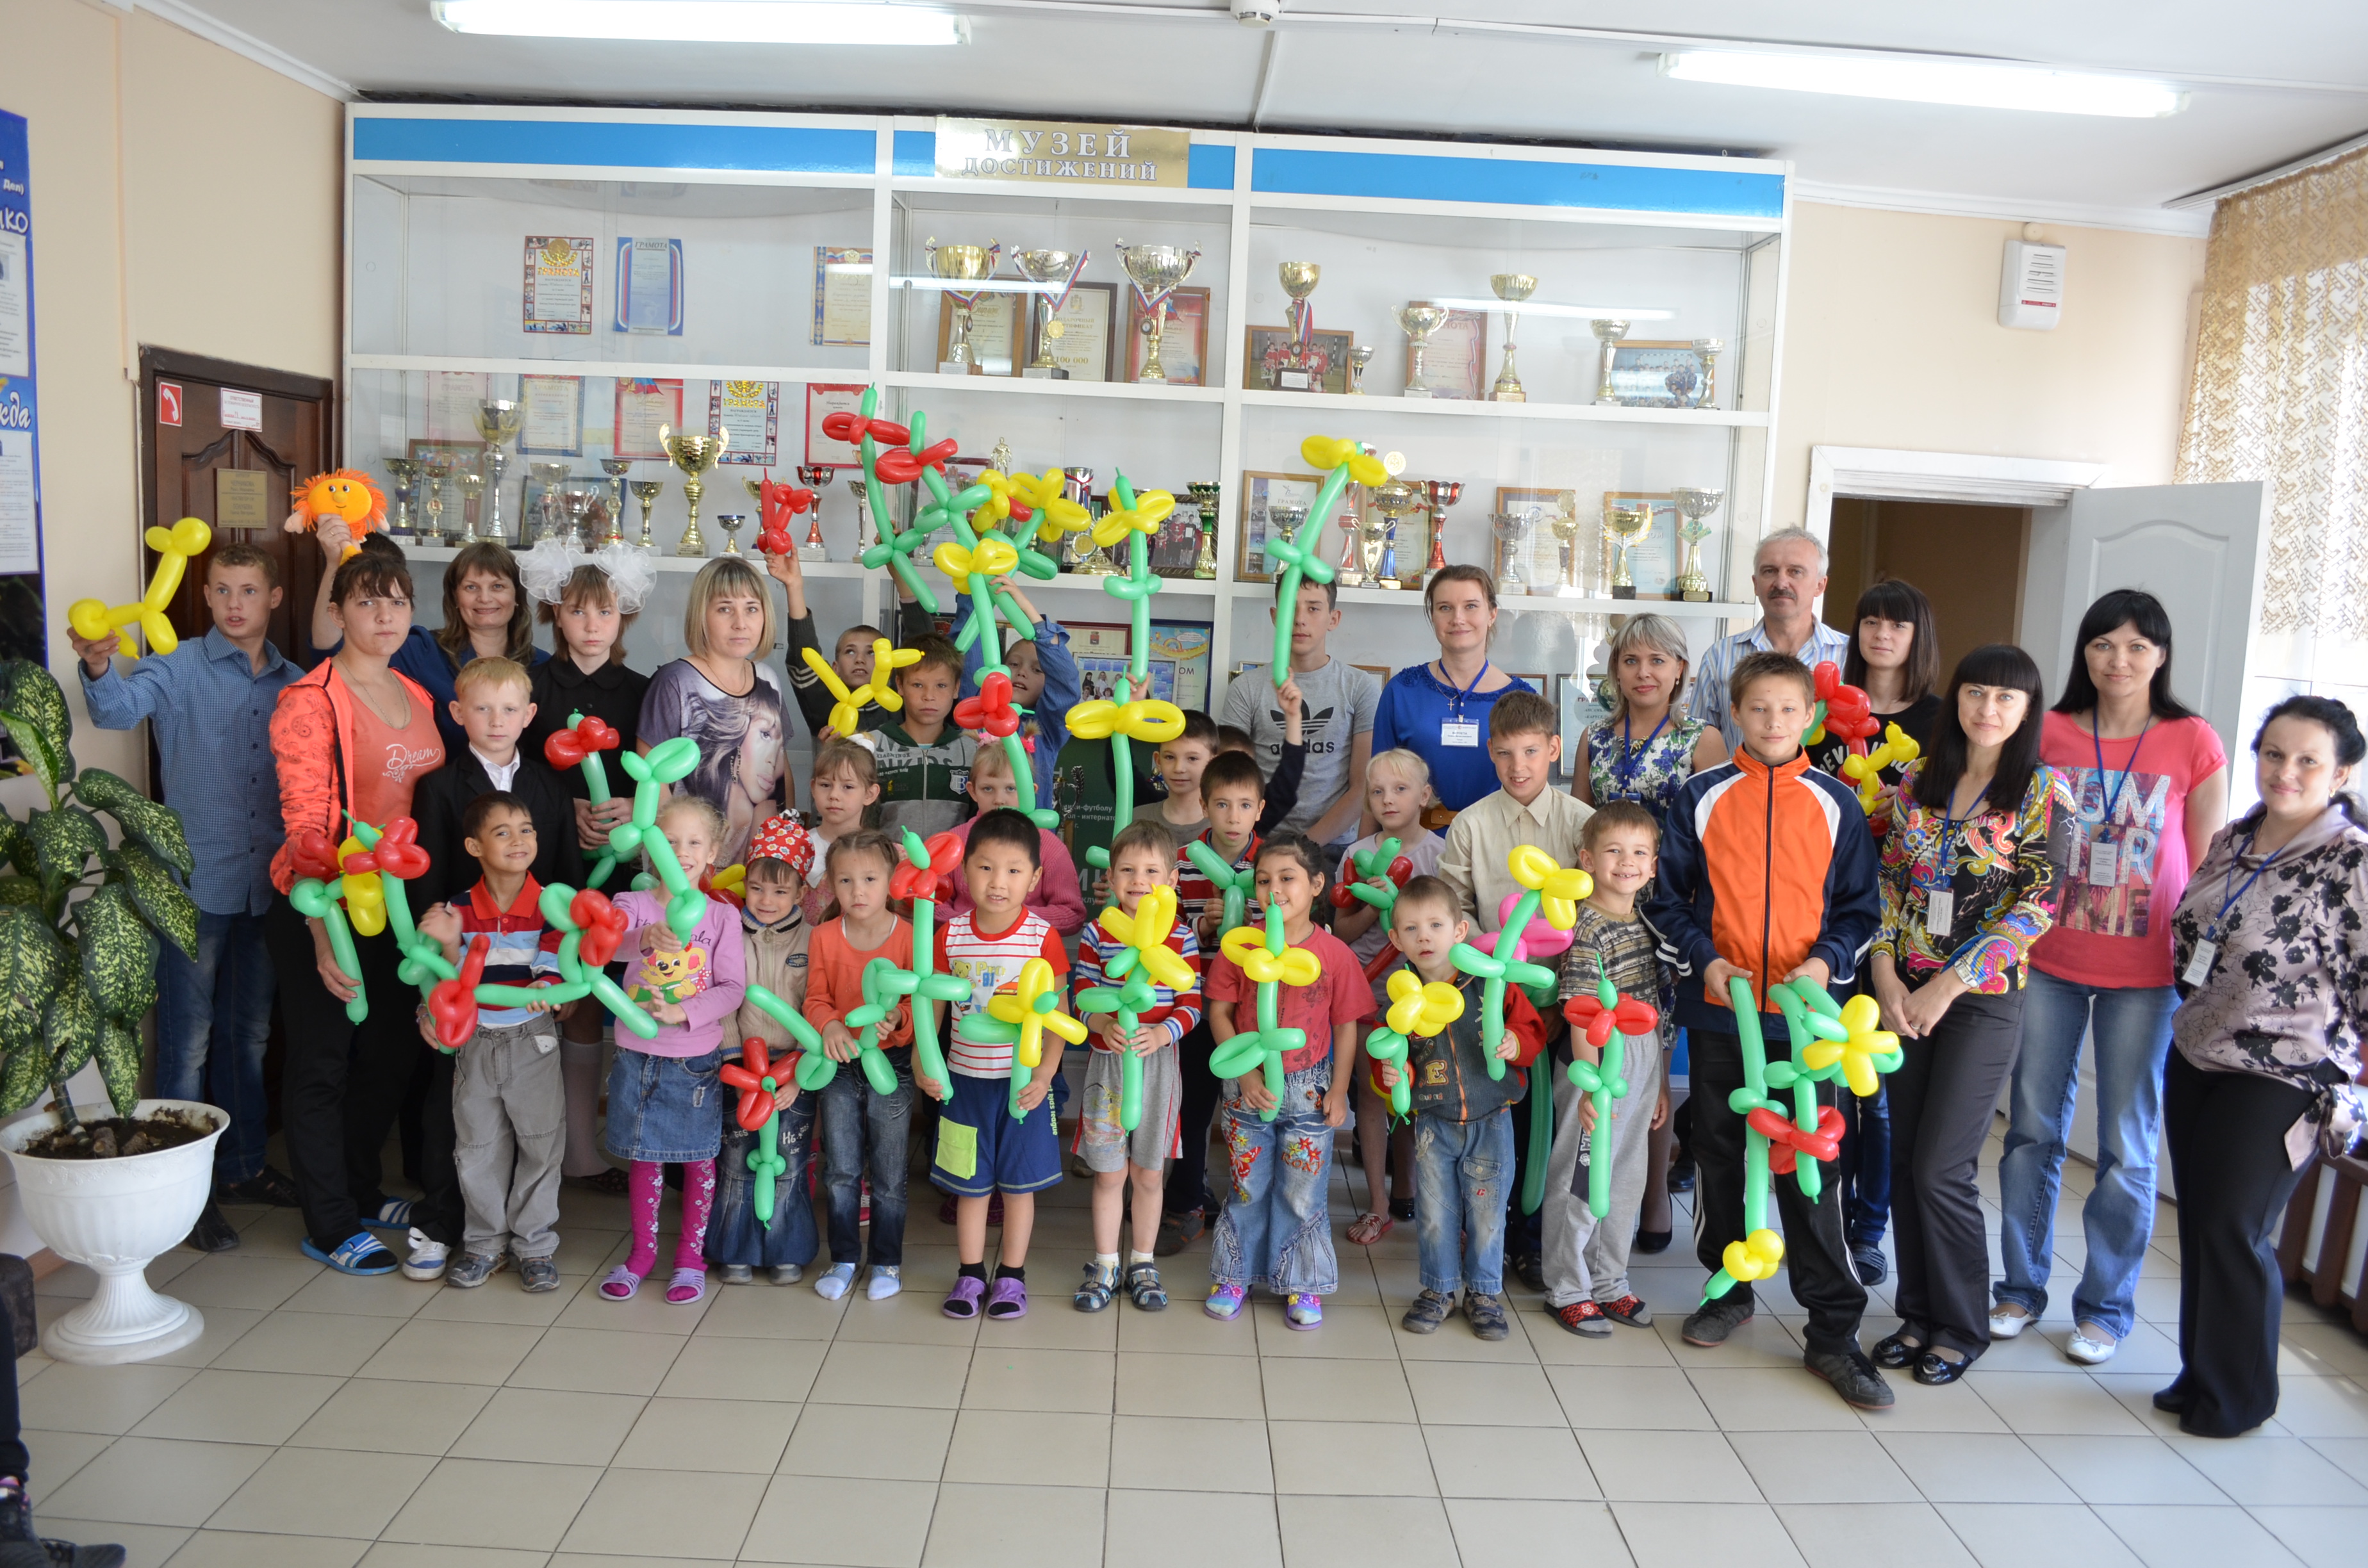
point(213, 1232)
point(1853, 1376)
point(267, 1186)
point(1682, 1177)
point(1401, 1208)
point(1651, 1242)
point(1529, 1269)
point(1898, 1351)
point(1867, 1262)
point(1177, 1232)
point(1710, 1324)
point(1935, 1370)
point(2171, 1401)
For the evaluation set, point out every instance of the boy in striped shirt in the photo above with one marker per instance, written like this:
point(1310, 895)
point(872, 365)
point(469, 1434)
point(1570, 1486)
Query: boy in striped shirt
point(983, 1149)
point(1143, 856)
point(508, 1103)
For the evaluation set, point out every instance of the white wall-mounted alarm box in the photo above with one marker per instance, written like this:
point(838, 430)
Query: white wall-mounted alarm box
point(2030, 286)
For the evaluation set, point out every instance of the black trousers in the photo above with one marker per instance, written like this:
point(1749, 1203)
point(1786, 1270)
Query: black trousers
point(1941, 1100)
point(14, 1460)
point(1187, 1173)
point(1817, 1258)
point(343, 1081)
point(2228, 1134)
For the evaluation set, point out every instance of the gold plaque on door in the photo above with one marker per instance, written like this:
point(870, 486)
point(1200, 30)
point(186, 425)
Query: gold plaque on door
point(241, 498)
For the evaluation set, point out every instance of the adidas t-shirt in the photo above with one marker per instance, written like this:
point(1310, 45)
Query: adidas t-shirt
point(1341, 701)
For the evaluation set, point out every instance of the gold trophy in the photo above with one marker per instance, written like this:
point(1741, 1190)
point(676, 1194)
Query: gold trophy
point(1694, 506)
point(472, 503)
point(1043, 268)
point(957, 264)
point(646, 492)
point(406, 483)
point(616, 469)
point(498, 421)
point(439, 470)
point(1360, 356)
point(1608, 333)
point(1393, 501)
point(1441, 494)
point(1295, 364)
point(1567, 528)
point(1709, 348)
point(694, 455)
point(1512, 287)
point(1418, 322)
point(1086, 559)
point(1204, 494)
point(1157, 271)
point(1625, 527)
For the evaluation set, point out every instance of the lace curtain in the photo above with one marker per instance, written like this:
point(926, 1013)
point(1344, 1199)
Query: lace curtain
point(2282, 385)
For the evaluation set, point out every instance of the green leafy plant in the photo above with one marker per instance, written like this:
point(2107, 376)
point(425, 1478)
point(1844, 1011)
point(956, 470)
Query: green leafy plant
point(79, 921)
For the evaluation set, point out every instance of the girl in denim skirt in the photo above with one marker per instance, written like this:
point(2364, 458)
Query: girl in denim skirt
point(663, 1091)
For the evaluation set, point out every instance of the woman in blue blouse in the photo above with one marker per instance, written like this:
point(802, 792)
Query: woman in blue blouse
point(1440, 710)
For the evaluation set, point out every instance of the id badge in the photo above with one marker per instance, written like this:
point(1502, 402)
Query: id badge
point(1940, 911)
point(2199, 966)
point(2104, 864)
point(1451, 734)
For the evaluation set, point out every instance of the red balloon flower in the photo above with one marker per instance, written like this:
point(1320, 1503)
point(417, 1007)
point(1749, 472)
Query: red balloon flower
point(568, 748)
point(453, 1003)
point(603, 924)
point(748, 1075)
point(849, 427)
point(908, 880)
point(991, 709)
point(314, 854)
point(777, 504)
point(1630, 1017)
point(397, 852)
point(1848, 713)
point(1786, 1142)
point(1401, 872)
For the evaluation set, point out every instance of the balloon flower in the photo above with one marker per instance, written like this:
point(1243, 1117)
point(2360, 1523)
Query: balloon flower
point(777, 507)
point(846, 712)
point(1234, 885)
point(580, 745)
point(670, 762)
point(1381, 872)
point(1418, 1010)
point(1270, 962)
point(1016, 1015)
point(758, 1077)
point(1841, 710)
point(1295, 561)
point(91, 619)
point(1898, 750)
point(1555, 890)
point(1143, 958)
point(338, 885)
point(1605, 1018)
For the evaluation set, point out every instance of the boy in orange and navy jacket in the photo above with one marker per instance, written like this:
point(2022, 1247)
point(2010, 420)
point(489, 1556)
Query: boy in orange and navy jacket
point(1768, 872)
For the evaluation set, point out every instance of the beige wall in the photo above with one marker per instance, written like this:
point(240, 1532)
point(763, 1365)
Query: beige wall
point(183, 198)
point(1891, 339)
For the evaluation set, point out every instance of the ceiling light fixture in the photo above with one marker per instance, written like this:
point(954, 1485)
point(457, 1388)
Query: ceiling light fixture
point(708, 21)
point(1974, 84)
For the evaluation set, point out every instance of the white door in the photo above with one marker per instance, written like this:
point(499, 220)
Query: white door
point(2198, 548)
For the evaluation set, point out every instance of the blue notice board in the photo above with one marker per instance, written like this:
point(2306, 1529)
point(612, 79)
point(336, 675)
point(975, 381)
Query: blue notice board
point(23, 634)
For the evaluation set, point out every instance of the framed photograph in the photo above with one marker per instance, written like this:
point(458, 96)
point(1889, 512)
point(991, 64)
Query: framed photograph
point(821, 402)
point(995, 323)
point(1175, 548)
point(1098, 678)
point(1086, 344)
point(1656, 375)
point(1379, 672)
point(1184, 341)
point(1258, 491)
point(1186, 644)
point(1455, 356)
point(1259, 341)
point(1653, 560)
point(1544, 564)
point(1101, 640)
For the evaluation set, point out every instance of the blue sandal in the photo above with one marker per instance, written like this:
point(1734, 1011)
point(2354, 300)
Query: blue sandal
point(358, 1254)
point(394, 1214)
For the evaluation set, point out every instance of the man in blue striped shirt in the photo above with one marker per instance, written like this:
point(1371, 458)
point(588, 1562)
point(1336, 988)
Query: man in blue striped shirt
point(1788, 573)
point(210, 701)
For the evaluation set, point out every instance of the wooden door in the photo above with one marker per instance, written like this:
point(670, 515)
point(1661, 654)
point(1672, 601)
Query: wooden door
point(279, 429)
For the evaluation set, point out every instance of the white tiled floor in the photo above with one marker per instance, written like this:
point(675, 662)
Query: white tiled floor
point(326, 1421)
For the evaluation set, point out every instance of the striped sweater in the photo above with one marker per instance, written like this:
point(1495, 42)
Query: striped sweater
point(1180, 1011)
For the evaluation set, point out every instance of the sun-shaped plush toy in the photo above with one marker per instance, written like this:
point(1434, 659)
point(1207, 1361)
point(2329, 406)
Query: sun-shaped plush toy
point(345, 493)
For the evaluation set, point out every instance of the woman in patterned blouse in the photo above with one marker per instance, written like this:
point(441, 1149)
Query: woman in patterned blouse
point(2273, 976)
point(1972, 863)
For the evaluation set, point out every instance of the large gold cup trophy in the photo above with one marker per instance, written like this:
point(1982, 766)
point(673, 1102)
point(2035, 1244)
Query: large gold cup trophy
point(694, 455)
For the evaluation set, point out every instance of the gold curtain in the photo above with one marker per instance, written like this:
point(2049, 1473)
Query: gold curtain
point(2282, 385)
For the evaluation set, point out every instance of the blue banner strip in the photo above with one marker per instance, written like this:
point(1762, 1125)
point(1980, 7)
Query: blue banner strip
point(916, 156)
point(1520, 182)
point(784, 149)
point(1211, 168)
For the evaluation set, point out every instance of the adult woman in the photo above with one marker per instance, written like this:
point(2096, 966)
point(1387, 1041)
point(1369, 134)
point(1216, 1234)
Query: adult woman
point(2273, 987)
point(1645, 748)
point(2149, 785)
point(1972, 866)
point(486, 612)
point(1440, 710)
point(353, 736)
point(724, 698)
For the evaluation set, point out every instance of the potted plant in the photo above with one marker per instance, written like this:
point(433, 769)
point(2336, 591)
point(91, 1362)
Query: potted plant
point(108, 1187)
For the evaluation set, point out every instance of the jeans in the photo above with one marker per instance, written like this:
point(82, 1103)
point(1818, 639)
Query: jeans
point(733, 1235)
point(213, 1018)
point(1460, 1172)
point(865, 1132)
point(2131, 1028)
point(1276, 1231)
point(1188, 1177)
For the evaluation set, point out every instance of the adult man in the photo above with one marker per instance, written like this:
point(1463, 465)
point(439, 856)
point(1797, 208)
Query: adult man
point(1337, 723)
point(1788, 572)
point(210, 701)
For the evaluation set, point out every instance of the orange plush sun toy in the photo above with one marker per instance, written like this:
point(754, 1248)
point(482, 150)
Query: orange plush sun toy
point(345, 494)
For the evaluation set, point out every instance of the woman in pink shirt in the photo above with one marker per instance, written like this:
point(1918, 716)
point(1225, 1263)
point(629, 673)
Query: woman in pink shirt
point(2150, 783)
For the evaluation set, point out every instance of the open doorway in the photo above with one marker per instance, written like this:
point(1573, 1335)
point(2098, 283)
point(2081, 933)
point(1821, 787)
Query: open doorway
point(1967, 559)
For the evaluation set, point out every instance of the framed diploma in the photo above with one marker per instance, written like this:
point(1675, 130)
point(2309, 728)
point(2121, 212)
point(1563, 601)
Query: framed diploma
point(842, 317)
point(643, 406)
point(559, 284)
point(821, 402)
point(750, 413)
point(550, 416)
point(995, 323)
point(1454, 356)
point(1184, 339)
point(1085, 344)
point(1544, 564)
point(649, 286)
point(452, 400)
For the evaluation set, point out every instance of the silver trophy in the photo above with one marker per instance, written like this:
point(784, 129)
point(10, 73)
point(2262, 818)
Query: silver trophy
point(1694, 507)
point(817, 478)
point(961, 264)
point(1285, 518)
point(1157, 271)
point(548, 477)
point(472, 499)
point(864, 539)
point(498, 421)
point(1044, 268)
point(1706, 396)
point(1418, 322)
point(1512, 287)
point(406, 478)
point(730, 523)
point(1351, 570)
point(616, 469)
point(1608, 333)
point(646, 492)
point(578, 497)
point(1512, 531)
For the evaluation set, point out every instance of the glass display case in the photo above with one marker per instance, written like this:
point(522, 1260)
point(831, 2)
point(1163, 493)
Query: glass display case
point(1566, 357)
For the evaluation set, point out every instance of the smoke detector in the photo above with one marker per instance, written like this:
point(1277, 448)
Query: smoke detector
point(1257, 13)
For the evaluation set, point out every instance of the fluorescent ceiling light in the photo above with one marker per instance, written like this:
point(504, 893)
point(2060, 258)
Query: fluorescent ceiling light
point(715, 23)
point(1540, 308)
point(1975, 83)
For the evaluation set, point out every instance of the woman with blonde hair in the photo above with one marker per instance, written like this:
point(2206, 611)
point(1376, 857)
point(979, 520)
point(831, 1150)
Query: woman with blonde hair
point(1645, 747)
point(723, 694)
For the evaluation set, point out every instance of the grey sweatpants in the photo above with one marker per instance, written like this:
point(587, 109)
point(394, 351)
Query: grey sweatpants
point(508, 1110)
point(1586, 1260)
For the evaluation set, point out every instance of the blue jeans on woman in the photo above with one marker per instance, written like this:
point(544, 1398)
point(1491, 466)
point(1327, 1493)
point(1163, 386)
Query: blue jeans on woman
point(2131, 1026)
point(213, 1018)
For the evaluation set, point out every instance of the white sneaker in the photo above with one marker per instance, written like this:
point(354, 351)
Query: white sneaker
point(2093, 1344)
point(428, 1258)
point(2008, 1319)
point(835, 1284)
point(886, 1282)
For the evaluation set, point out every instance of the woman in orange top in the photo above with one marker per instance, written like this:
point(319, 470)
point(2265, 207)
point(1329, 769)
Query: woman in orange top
point(353, 736)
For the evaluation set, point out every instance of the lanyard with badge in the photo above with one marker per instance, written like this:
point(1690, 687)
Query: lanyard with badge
point(2199, 964)
point(1623, 772)
point(2104, 857)
point(1456, 730)
point(1939, 890)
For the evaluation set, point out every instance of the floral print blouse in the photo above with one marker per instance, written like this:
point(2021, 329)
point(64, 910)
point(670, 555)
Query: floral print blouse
point(1644, 768)
point(2005, 872)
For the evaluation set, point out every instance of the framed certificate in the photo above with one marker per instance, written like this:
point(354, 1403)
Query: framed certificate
point(842, 299)
point(821, 402)
point(750, 413)
point(1261, 340)
point(1086, 346)
point(649, 286)
point(643, 408)
point(1454, 356)
point(994, 332)
point(550, 416)
point(1544, 564)
point(1656, 375)
point(1101, 639)
point(1259, 492)
point(559, 284)
point(452, 400)
point(1184, 341)
point(1653, 560)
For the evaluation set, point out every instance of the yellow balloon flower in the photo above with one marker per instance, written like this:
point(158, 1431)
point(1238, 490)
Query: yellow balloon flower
point(885, 662)
point(92, 619)
point(1328, 452)
point(1056, 513)
point(1422, 1009)
point(997, 506)
point(730, 878)
point(1033, 1003)
point(1560, 890)
point(1147, 720)
point(1147, 933)
point(1246, 945)
point(365, 898)
point(1868, 1039)
point(1757, 1256)
point(1150, 510)
point(1898, 750)
point(995, 557)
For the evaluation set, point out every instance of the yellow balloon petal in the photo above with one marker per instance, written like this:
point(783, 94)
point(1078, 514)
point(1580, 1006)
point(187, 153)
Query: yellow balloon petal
point(1367, 470)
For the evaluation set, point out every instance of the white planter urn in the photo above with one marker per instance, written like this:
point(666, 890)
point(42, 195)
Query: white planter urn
point(113, 1216)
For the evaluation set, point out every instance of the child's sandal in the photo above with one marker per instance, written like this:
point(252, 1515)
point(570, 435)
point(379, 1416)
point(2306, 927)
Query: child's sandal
point(1143, 1284)
point(620, 1284)
point(1095, 1294)
point(688, 1285)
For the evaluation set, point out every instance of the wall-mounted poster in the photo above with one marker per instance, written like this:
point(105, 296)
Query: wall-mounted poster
point(559, 284)
point(842, 310)
point(750, 413)
point(644, 407)
point(550, 416)
point(649, 286)
point(822, 401)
